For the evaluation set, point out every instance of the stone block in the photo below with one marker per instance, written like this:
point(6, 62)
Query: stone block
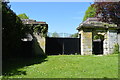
point(86, 43)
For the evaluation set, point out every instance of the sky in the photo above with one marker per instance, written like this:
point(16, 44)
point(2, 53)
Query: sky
point(61, 17)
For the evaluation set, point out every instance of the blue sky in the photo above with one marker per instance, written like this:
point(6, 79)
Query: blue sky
point(62, 17)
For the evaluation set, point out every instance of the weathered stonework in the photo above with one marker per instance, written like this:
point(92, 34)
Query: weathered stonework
point(86, 42)
point(105, 44)
point(110, 41)
point(119, 41)
point(91, 27)
point(41, 42)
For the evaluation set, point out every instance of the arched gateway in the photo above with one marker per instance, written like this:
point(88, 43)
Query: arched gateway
point(91, 27)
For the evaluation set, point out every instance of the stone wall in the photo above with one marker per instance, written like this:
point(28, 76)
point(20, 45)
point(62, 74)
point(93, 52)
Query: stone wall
point(39, 45)
point(41, 41)
point(86, 42)
point(105, 44)
point(110, 41)
point(119, 41)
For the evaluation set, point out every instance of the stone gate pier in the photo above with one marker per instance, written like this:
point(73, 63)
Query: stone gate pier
point(91, 27)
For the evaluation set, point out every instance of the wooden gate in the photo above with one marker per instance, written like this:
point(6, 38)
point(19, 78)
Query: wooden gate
point(56, 46)
point(98, 47)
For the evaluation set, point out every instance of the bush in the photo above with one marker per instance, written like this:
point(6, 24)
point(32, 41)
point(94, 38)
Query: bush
point(116, 49)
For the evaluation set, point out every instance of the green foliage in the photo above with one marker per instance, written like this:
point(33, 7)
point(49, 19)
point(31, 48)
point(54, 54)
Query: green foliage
point(74, 35)
point(55, 34)
point(90, 12)
point(37, 28)
point(23, 16)
point(12, 31)
point(28, 29)
point(98, 36)
point(108, 12)
point(41, 29)
point(116, 48)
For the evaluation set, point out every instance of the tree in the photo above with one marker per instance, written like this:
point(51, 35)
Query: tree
point(90, 12)
point(23, 16)
point(12, 31)
point(55, 34)
point(74, 35)
point(108, 11)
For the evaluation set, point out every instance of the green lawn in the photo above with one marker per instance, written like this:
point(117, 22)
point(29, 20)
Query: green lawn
point(70, 66)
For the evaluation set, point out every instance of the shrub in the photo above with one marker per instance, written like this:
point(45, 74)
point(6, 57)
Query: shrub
point(116, 49)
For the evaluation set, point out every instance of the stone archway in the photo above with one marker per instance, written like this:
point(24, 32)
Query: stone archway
point(91, 26)
point(98, 39)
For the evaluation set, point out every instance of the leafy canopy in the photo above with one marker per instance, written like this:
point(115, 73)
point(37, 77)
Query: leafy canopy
point(12, 31)
point(23, 16)
point(90, 12)
point(108, 11)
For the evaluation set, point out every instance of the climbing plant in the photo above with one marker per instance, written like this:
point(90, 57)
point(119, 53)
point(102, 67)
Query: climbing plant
point(41, 29)
point(98, 36)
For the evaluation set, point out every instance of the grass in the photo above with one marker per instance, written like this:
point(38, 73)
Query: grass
point(70, 66)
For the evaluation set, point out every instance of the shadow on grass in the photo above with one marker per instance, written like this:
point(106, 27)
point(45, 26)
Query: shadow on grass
point(11, 66)
point(28, 56)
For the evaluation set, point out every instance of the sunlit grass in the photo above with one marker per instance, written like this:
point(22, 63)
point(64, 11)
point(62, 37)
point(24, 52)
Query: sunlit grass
point(72, 66)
